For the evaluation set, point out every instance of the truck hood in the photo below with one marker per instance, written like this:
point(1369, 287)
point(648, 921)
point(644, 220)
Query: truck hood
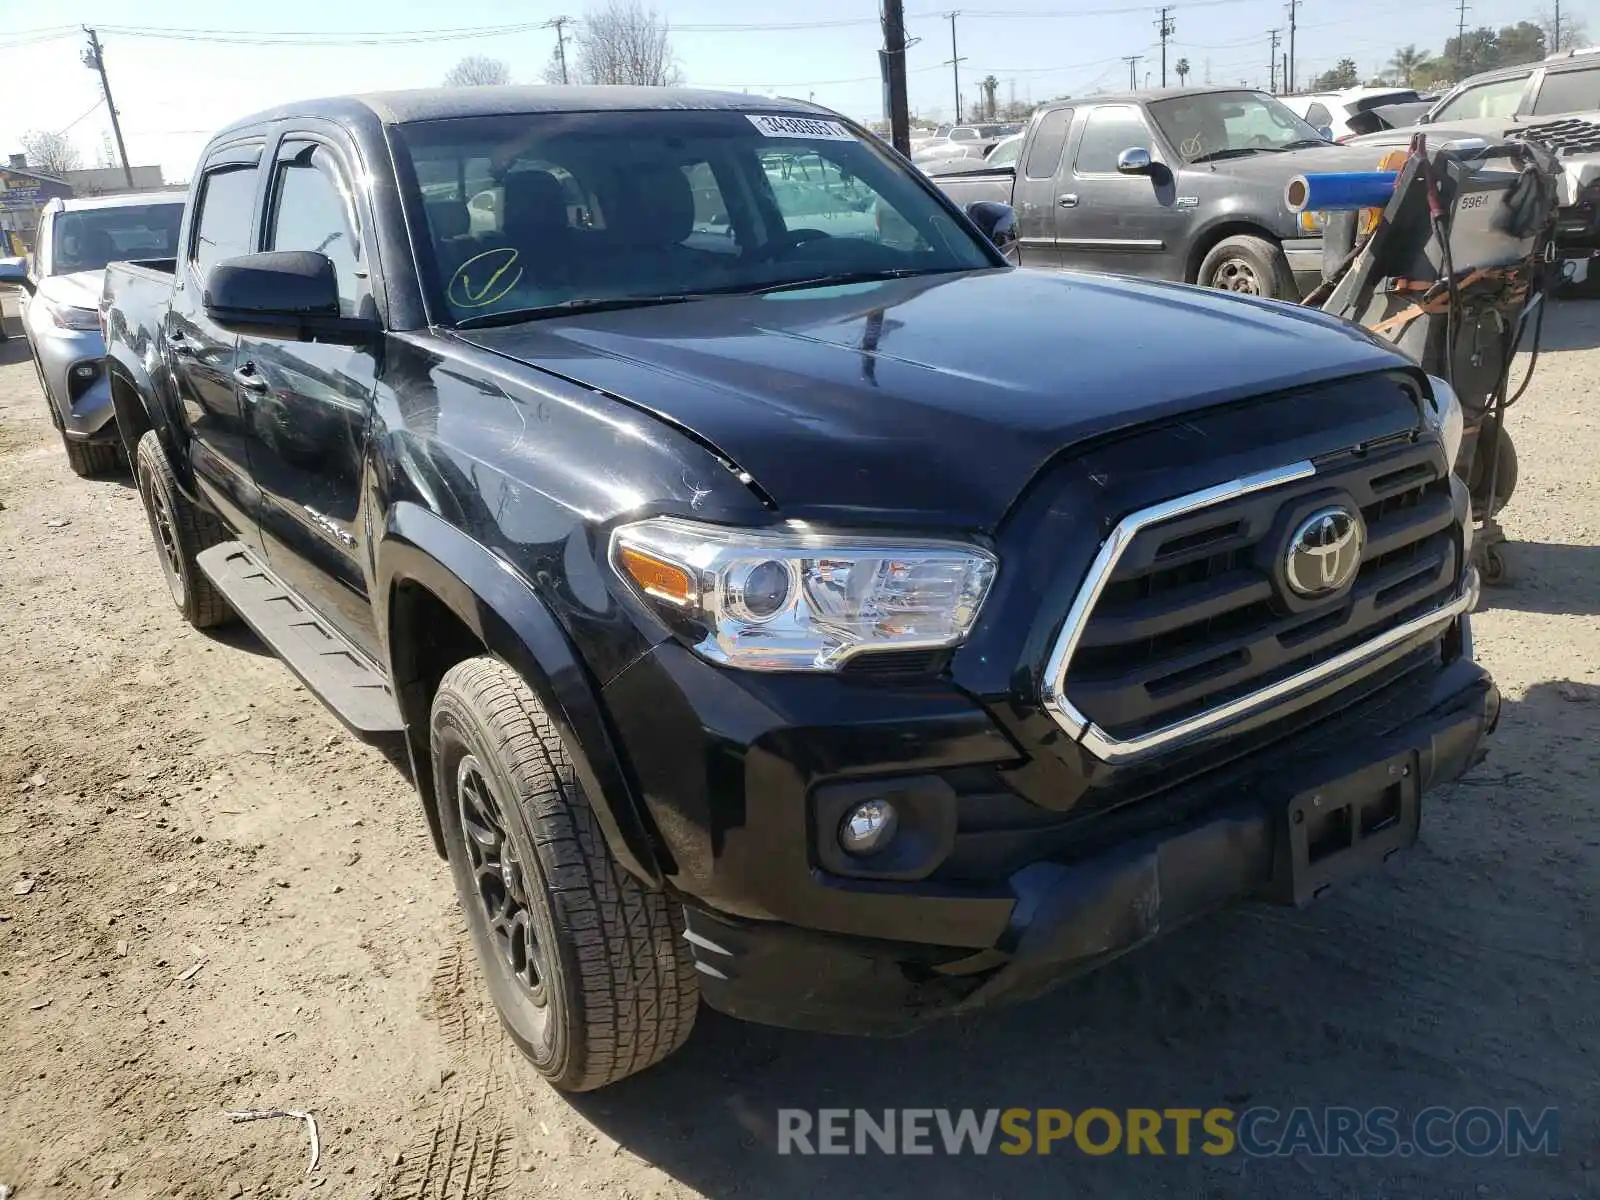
point(1280, 168)
point(1578, 168)
point(935, 399)
point(78, 290)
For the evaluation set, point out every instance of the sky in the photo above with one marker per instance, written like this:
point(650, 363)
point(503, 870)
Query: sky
point(174, 89)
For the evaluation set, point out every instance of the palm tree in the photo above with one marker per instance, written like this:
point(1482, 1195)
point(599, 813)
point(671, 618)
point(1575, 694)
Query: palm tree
point(990, 85)
point(1407, 61)
point(1183, 71)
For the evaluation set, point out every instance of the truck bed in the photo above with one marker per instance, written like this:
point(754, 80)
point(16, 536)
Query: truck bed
point(968, 187)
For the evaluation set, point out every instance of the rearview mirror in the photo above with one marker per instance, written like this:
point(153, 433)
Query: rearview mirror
point(999, 224)
point(1135, 160)
point(287, 294)
point(15, 271)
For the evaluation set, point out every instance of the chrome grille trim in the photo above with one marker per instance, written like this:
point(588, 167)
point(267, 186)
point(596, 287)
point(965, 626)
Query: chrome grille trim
point(1123, 750)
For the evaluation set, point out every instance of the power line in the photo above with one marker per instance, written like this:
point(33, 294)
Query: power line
point(73, 123)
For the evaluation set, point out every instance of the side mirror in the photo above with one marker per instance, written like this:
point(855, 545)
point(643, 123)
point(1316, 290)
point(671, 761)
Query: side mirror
point(1325, 132)
point(999, 224)
point(1134, 161)
point(15, 271)
point(287, 294)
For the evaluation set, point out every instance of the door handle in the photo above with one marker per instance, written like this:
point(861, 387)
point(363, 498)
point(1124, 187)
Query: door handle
point(249, 378)
point(1070, 200)
point(180, 344)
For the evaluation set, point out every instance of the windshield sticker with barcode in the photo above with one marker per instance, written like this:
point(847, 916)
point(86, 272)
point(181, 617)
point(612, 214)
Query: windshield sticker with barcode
point(800, 127)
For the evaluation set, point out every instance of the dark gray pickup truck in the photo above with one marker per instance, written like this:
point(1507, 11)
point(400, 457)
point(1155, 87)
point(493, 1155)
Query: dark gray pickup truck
point(1181, 184)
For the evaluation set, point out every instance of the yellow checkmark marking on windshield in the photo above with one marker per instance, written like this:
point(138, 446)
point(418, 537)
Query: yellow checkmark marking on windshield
point(461, 290)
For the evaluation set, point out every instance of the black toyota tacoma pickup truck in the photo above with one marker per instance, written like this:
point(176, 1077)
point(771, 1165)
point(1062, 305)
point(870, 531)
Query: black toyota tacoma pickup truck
point(845, 630)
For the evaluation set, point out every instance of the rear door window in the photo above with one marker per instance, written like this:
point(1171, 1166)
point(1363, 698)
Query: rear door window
point(1568, 92)
point(222, 224)
point(1049, 139)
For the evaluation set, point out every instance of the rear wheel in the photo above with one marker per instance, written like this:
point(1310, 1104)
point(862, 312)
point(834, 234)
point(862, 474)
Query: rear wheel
point(587, 967)
point(1252, 266)
point(181, 531)
point(91, 458)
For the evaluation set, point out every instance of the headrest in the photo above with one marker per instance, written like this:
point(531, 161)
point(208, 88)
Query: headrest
point(534, 204)
point(658, 206)
point(448, 219)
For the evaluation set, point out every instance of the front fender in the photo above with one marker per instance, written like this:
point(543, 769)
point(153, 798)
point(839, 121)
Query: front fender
point(504, 612)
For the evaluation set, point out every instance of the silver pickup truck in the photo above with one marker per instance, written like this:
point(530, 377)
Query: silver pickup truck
point(1181, 184)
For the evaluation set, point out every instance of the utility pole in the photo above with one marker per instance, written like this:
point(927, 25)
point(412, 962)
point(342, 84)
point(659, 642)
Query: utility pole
point(561, 44)
point(1133, 74)
point(893, 60)
point(1165, 28)
point(1288, 75)
point(1272, 61)
point(955, 65)
point(96, 61)
point(1461, 37)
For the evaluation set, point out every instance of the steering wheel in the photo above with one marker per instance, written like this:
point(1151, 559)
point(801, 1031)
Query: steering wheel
point(795, 239)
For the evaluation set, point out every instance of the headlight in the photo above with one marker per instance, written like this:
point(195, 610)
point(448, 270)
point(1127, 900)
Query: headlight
point(1313, 223)
point(1443, 415)
point(793, 599)
point(67, 317)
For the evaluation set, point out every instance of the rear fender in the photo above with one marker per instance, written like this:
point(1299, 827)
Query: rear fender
point(493, 601)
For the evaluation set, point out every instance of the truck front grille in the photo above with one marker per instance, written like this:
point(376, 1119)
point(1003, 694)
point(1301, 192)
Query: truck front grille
point(1195, 613)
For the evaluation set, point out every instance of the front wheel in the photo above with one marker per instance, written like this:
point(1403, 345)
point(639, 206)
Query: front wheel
point(1252, 266)
point(588, 968)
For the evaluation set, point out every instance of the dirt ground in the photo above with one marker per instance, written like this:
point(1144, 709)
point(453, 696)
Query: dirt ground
point(212, 899)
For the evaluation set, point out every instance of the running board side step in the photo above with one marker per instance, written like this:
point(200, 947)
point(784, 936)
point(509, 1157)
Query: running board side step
point(353, 687)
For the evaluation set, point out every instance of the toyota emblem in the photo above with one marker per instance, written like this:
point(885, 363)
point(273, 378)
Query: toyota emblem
point(1324, 552)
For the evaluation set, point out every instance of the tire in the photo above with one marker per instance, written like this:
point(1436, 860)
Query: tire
point(1252, 266)
point(1505, 480)
point(89, 459)
point(606, 987)
point(181, 531)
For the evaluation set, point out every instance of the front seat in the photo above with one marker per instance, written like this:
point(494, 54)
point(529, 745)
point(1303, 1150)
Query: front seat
point(646, 236)
point(535, 223)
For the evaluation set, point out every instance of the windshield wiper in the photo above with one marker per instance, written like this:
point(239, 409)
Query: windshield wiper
point(513, 316)
point(1231, 152)
point(841, 278)
point(1305, 144)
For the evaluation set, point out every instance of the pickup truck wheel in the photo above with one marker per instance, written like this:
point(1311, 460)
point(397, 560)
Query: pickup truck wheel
point(91, 458)
point(181, 531)
point(587, 967)
point(1250, 265)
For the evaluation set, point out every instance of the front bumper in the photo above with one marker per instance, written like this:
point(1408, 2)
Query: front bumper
point(80, 401)
point(780, 939)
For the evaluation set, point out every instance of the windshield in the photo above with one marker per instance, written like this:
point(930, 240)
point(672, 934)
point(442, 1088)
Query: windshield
point(1222, 124)
point(537, 211)
point(86, 239)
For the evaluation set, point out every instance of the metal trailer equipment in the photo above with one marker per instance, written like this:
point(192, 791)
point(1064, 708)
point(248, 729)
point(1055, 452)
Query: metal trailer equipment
point(1454, 269)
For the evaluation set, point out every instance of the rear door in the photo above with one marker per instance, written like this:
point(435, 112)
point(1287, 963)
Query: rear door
point(201, 352)
point(1124, 224)
point(309, 402)
point(1033, 193)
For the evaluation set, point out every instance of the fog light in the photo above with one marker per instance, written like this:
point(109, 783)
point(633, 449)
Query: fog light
point(84, 371)
point(868, 827)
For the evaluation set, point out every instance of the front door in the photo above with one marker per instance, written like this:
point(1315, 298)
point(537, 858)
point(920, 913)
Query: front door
point(202, 353)
point(1124, 224)
point(309, 402)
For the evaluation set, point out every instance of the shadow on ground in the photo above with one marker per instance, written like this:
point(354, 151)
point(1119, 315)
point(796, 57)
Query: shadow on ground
point(1450, 977)
point(1548, 577)
point(1570, 323)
